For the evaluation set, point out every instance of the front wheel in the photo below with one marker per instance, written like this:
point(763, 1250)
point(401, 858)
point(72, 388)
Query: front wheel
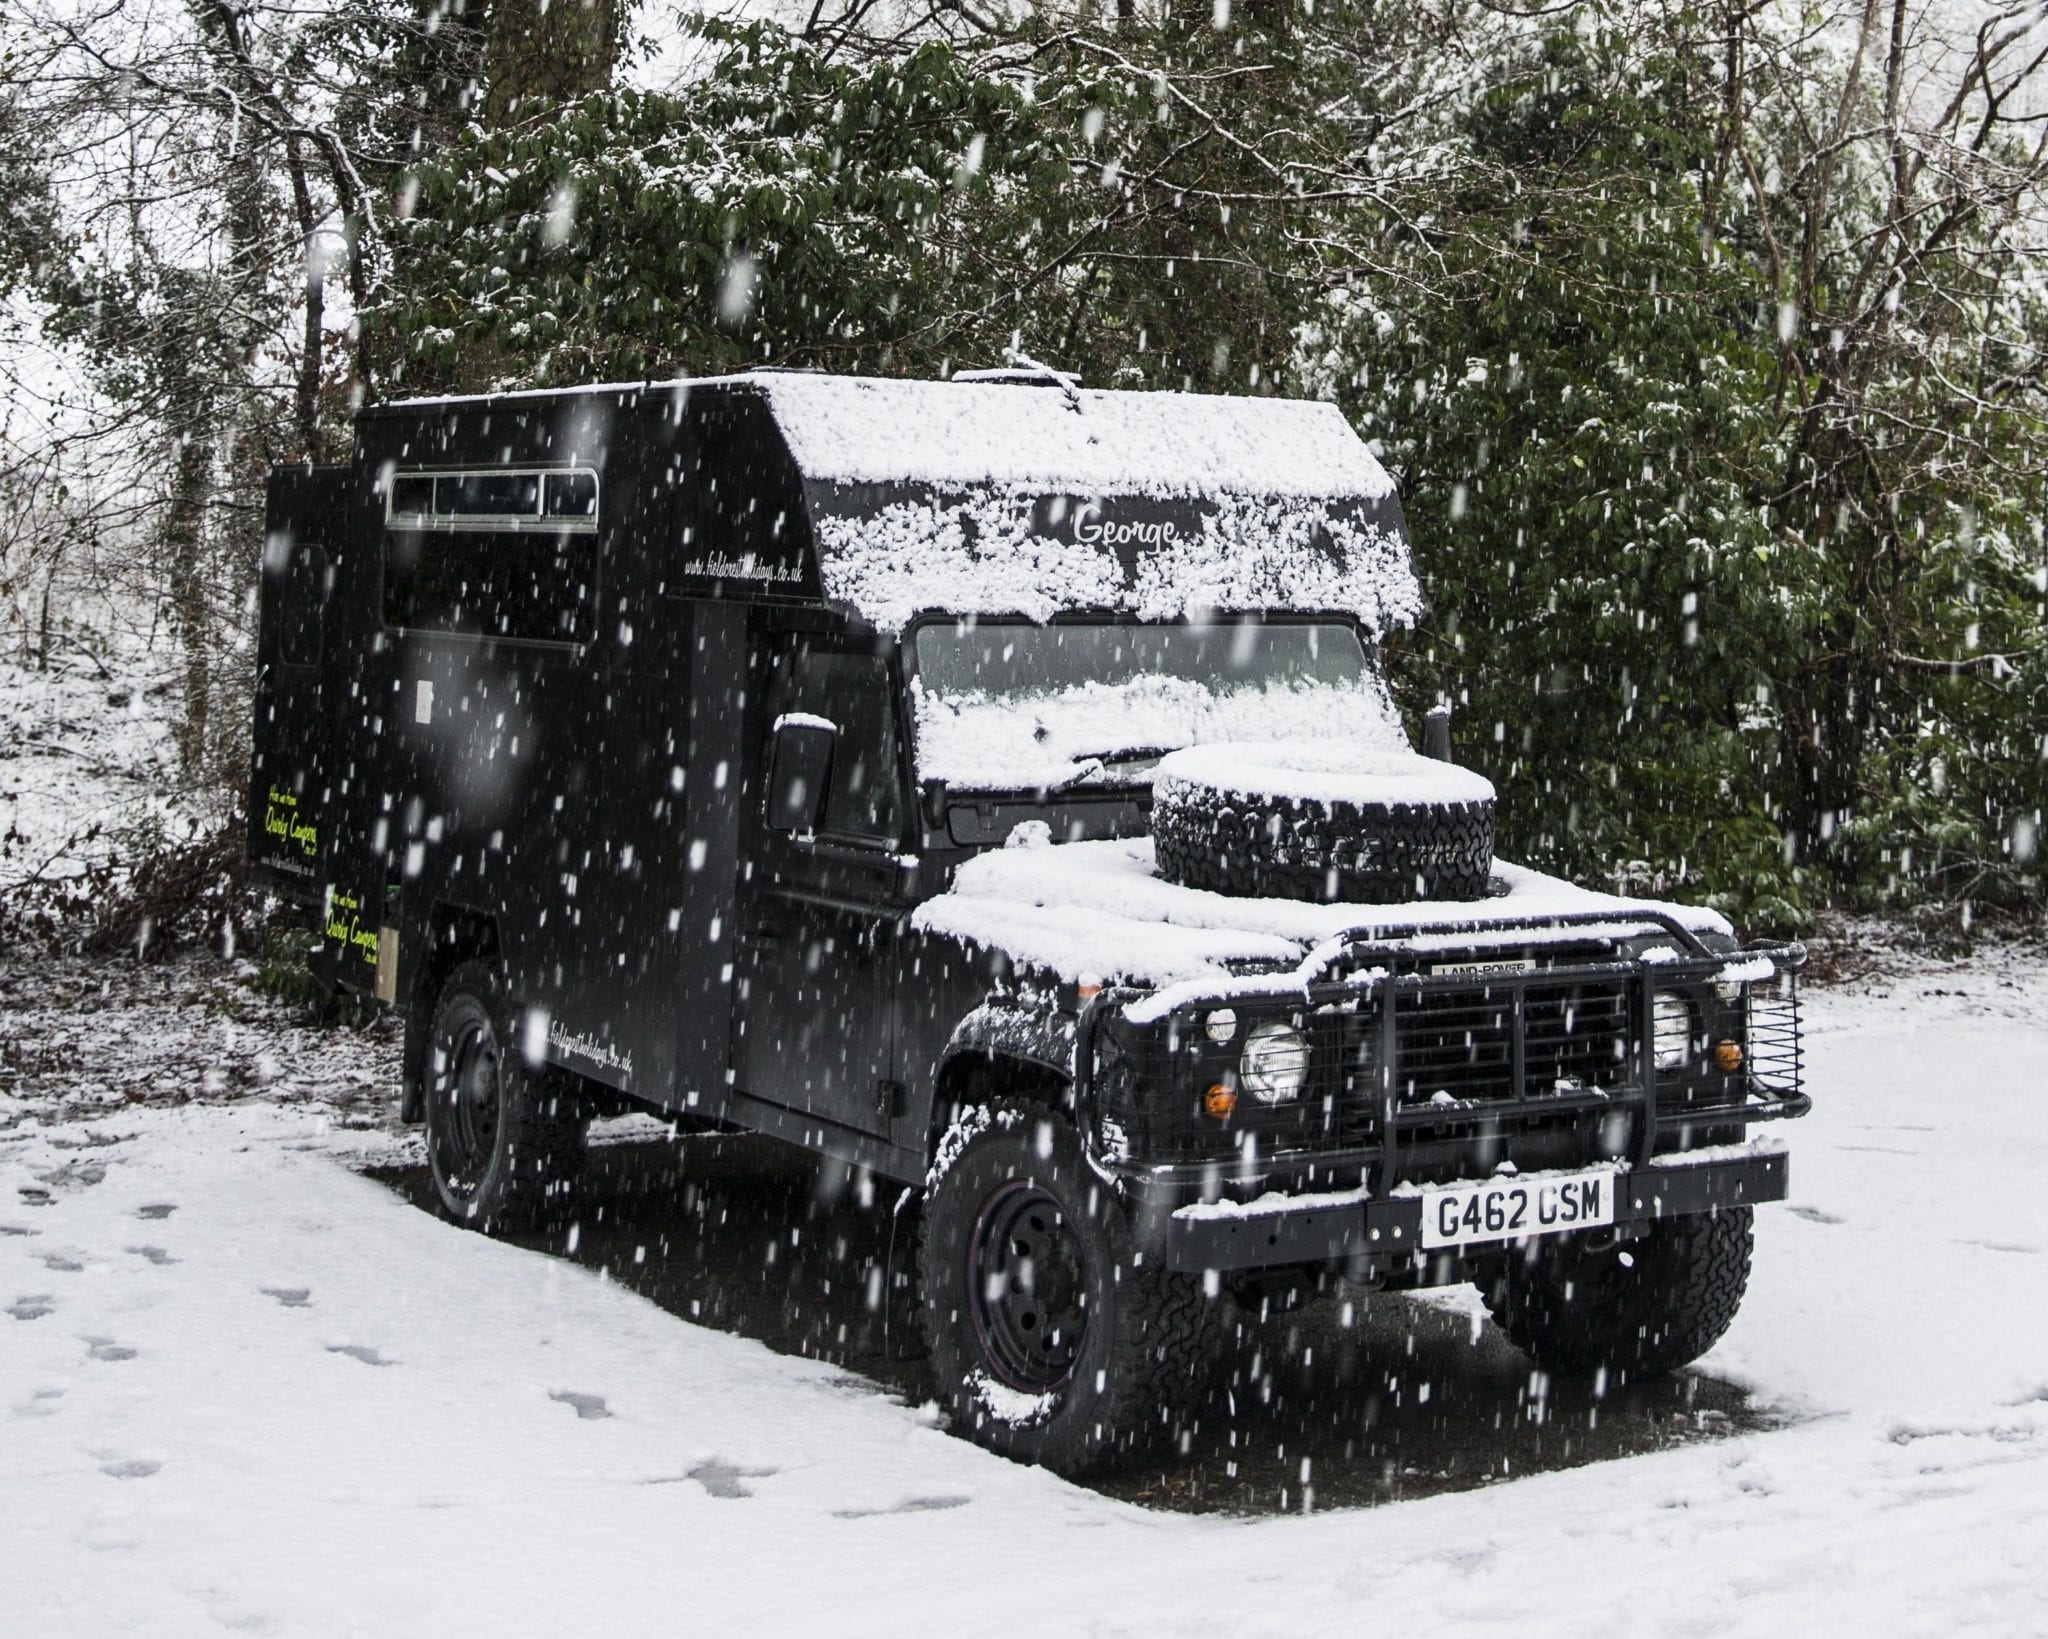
point(1634, 1308)
point(1052, 1344)
point(504, 1138)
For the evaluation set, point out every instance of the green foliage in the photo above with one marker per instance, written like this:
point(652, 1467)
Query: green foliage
point(1581, 439)
point(828, 208)
point(904, 215)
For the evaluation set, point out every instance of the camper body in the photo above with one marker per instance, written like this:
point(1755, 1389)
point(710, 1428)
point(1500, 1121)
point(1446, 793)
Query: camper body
point(779, 752)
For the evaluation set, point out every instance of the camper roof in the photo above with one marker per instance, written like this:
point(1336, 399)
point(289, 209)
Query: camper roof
point(1013, 497)
point(853, 429)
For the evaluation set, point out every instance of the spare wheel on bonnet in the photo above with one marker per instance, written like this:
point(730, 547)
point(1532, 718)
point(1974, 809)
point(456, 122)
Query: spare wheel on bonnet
point(1323, 821)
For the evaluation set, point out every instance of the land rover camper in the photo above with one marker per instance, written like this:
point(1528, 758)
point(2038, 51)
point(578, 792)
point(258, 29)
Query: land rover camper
point(992, 784)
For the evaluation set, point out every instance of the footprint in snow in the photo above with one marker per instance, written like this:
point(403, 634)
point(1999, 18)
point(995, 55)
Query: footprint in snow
point(156, 1210)
point(909, 1505)
point(105, 1348)
point(39, 1404)
point(60, 1264)
point(155, 1254)
point(33, 1307)
point(367, 1355)
point(131, 1468)
point(292, 1297)
point(31, 1195)
point(18, 1229)
point(588, 1406)
point(722, 1479)
point(1814, 1215)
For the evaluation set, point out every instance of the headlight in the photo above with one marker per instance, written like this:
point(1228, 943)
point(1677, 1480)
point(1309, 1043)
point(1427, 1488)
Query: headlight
point(1275, 1063)
point(1671, 1045)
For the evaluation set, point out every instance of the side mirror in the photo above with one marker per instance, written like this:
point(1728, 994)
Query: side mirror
point(1436, 734)
point(933, 800)
point(800, 770)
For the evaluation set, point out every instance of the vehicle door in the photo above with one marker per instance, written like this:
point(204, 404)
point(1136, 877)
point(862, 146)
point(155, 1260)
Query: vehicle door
point(290, 825)
point(817, 915)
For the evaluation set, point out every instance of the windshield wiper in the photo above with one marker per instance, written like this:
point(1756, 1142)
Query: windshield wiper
point(1087, 764)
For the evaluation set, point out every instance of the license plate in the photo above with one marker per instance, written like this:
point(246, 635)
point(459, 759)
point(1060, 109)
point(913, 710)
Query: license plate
point(1517, 964)
point(1506, 1209)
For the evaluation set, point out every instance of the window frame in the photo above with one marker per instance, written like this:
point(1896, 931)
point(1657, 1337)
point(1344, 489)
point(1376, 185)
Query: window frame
point(536, 523)
point(496, 523)
point(780, 695)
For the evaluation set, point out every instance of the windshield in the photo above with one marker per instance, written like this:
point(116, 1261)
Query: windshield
point(1009, 706)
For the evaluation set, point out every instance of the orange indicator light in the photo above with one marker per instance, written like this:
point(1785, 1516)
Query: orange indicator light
point(1728, 1056)
point(1219, 1101)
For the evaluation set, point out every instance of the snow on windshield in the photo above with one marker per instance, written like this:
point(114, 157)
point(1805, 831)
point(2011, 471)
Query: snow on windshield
point(1003, 706)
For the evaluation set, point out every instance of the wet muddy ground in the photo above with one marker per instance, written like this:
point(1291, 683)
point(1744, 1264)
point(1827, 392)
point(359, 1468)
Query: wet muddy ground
point(1352, 1400)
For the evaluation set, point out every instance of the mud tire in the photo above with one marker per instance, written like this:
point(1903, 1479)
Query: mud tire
point(1226, 835)
point(1573, 1305)
point(505, 1139)
point(1148, 1335)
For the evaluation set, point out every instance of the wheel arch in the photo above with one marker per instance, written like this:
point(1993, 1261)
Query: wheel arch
point(974, 1073)
point(454, 934)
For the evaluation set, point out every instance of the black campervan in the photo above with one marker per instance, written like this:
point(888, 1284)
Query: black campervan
point(990, 783)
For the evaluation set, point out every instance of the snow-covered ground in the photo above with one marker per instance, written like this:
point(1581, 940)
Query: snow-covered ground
point(243, 1387)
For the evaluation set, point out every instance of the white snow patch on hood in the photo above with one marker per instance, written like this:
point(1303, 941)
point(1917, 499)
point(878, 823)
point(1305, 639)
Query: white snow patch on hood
point(1099, 912)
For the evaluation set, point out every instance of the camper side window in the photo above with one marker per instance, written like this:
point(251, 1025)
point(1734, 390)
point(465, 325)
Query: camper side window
point(495, 552)
point(853, 692)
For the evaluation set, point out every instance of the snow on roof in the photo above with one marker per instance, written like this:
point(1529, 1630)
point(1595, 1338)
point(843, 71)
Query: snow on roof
point(857, 429)
point(1098, 912)
point(868, 429)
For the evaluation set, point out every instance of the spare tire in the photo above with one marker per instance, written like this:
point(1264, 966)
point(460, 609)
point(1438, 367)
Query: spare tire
point(1322, 821)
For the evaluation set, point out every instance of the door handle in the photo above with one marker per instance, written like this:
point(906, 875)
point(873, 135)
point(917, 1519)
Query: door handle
point(761, 939)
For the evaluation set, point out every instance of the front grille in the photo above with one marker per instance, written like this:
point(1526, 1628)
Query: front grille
point(1460, 1044)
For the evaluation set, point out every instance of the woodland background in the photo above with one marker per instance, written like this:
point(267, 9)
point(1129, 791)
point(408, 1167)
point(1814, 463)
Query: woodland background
point(1706, 341)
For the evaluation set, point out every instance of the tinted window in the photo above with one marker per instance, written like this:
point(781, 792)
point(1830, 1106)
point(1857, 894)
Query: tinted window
point(494, 498)
point(413, 496)
point(572, 495)
point(487, 494)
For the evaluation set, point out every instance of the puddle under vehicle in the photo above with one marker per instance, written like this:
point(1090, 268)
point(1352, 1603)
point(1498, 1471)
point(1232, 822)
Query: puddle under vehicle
point(992, 784)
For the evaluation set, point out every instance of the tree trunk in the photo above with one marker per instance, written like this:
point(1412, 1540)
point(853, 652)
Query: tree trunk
point(185, 550)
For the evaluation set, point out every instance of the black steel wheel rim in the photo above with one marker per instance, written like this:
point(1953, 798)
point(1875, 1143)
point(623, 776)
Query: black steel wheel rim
point(1027, 1288)
point(469, 1087)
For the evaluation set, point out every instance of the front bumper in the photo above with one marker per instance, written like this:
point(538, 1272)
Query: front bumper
point(1377, 1237)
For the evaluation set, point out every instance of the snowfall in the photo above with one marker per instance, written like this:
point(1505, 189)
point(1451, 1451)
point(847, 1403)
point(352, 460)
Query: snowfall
point(246, 1385)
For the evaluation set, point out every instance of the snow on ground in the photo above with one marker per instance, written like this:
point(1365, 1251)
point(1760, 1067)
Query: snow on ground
point(83, 743)
point(243, 1387)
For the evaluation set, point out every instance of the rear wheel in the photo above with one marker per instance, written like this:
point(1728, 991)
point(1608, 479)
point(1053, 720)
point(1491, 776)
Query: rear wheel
point(1632, 1307)
point(504, 1138)
point(1051, 1345)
